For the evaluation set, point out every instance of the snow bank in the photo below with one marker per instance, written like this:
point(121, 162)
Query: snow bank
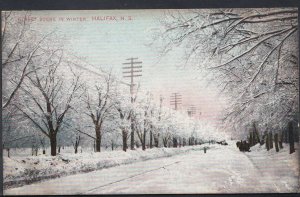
point(23, 170)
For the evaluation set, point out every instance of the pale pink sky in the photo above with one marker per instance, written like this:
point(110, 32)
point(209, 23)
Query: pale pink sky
point(107, 44)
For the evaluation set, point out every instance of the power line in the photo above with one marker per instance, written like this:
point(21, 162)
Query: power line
point(132, 72)
point(102, 72)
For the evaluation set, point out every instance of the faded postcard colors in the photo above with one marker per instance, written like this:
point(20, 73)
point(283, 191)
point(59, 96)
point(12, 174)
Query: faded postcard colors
point(150, 101)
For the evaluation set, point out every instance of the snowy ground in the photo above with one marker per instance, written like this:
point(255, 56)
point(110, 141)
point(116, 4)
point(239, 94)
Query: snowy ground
point(223, 169)
point(21, 169)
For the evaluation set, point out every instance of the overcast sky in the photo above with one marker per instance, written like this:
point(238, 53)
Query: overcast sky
point(108, 43)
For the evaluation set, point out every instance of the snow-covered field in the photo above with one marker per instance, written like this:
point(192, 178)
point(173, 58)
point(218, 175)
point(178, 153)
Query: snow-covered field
point(223, 169)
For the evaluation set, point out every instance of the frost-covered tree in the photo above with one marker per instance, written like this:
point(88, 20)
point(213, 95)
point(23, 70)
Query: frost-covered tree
point(141, 126)
point(20, 46)
point(99, 106)
point(33, 80)
point(47, 95)
point(252, 52)
point(16, 130)
point(165, 126)
point(112, 136)
point(143, 115)
point(124, 110)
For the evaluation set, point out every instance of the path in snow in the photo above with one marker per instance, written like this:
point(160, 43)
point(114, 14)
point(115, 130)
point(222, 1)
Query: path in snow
point(222, 169)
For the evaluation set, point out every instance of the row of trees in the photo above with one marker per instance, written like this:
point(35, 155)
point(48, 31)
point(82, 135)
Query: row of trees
point(48, 93)
point(104, 114)
point(289, 135)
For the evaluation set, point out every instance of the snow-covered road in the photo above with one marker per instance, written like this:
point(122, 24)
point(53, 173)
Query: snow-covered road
point(223, 169)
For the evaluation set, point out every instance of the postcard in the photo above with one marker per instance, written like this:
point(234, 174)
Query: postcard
point(150, 101)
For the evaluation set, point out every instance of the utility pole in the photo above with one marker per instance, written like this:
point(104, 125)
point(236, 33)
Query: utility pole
point(133, 70)
point(160, 106)
point(175, 100)
point(191, 110)
point(200, 113)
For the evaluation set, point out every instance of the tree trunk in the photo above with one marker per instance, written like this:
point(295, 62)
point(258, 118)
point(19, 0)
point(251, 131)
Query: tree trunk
point(267, 142)
point(98, 144)
point(143, 146)
point(183, 142)
point(124, 138)
point(165, 142)
point(280, 145)
point(251, 139)
point(98, 138)
point(257, 134)
point(8, 152)
point(276, 142)
point(263, 139)
point(280, 141)
point(291, 138)
point(144, 142)
point(156, 140)
point(271, 140)
point(286, 136)
point(53, 143)
point(174, 142)
point(151, 138)
point(59, 149)
point(137, 145)
point(132, 135)
point(144, 137)
point(112, 146)
point(76, 149)
point(44, 151)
